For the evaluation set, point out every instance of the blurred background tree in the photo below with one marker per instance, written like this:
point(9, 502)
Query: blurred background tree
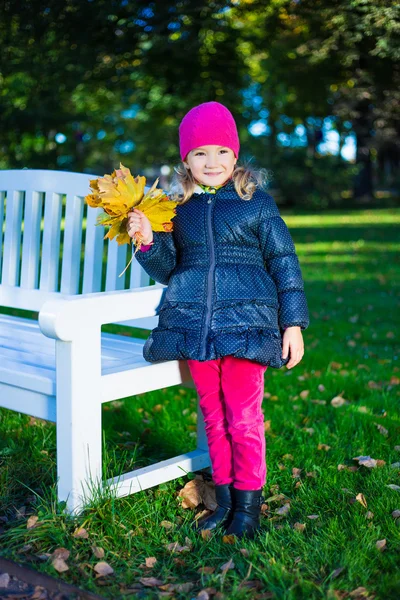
point(313, 85)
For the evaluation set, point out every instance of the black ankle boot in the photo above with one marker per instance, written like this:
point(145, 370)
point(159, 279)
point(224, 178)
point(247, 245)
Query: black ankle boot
point(246, 516)
point(223, 512)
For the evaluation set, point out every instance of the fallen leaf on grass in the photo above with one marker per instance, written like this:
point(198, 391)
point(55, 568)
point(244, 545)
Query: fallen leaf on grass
point(103, 569)
point(81, 533)
point(312, 516)
point(361, 499)
point(396, 514)
point(283, 510)
point(360, 593)
point(394, 487)
point(98, 552)
point(206, 570)
point(151, 581)
point(206, 534)
point(366, 461)
point(381, 544)
point(369, 515)
point(228, 565)
point(245, 552)
point(150, 561)
point(296, 472)
point(287, 457)
point(299, 526)
point(31, 522)
point(229, 539)
point(198, 491)
point(60, 565)
point(324, 447)
point(62, 553)
point(167, 525)
point(338, 401)
point(336, 572)
point(176, 547)
point(382, 429)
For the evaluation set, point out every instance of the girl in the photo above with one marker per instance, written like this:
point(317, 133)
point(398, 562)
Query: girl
point(234, 287)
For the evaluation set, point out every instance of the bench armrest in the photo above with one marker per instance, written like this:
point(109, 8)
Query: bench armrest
point(66, 318)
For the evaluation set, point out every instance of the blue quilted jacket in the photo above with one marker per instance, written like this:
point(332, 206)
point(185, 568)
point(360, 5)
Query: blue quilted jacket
point(234, 280)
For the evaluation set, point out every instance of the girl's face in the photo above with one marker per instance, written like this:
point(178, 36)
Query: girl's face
point(211, 165)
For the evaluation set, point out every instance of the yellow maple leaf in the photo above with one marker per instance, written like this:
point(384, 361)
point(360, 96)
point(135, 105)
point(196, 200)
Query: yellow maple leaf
point(117, 194)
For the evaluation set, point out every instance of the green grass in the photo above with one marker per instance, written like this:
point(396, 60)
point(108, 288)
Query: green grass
point(351, 267)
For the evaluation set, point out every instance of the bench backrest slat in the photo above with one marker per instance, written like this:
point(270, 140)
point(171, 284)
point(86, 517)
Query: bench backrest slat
point(12, 238)
point(72, 245)
point(31, 240)
point(51, 242)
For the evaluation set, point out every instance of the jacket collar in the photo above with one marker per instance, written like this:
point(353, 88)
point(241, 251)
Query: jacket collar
point(228, 186)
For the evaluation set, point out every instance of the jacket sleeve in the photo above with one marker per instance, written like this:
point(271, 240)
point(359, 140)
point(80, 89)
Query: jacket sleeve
point(282, 264)
point(161, 258)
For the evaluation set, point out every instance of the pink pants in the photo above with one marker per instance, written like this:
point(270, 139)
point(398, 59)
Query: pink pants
point(230, 393)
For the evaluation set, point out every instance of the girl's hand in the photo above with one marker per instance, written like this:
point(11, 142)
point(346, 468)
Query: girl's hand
point(293, 340)
point(137, 221)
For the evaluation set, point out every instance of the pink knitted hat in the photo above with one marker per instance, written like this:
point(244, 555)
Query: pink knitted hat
point(208, 123)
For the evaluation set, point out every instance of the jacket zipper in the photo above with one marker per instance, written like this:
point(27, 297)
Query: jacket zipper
point(210, 279)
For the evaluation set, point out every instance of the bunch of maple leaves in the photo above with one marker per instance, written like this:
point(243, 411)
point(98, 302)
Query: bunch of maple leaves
point(118, 194)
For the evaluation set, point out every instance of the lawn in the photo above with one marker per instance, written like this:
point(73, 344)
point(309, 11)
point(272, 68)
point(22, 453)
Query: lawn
point(330, 524)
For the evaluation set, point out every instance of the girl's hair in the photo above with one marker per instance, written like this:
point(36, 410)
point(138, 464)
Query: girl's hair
point(245, 177)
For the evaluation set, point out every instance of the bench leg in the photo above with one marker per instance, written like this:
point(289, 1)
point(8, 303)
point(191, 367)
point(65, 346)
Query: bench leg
point(79, 431)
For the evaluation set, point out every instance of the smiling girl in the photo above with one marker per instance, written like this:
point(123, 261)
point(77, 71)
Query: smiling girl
point(235, 304)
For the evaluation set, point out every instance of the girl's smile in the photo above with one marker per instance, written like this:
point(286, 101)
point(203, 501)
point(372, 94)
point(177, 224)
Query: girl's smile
point(211, 164)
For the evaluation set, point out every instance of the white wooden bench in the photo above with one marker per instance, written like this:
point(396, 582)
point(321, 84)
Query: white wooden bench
point(61, 367)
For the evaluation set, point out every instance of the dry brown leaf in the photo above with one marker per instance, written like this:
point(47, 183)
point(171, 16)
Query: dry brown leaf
point(361, 499)
point(60, 553)
point(228, 565)
point(198, 491)
point(283, 510)
point(98, 552)
point(31, 522)
point(60, 565)
point(299, 526)
point(203, 595)
point(103, 569)
point(369, 515)
point(167, 525)
point(312, 516)
point(360, 593)
point(206, 534)
point(245, 552)
point(150, 561)
point(381, 544)
point(296, 472)
point(206, 570)
point(151, 581)
point(267, 425)
point(176, 547)
point(324, 447)
point(382, 429)
point(81, 533)
point(338, 401)
point(229, 539)
point(304, 394)
point(366, 461)
point(287, 457)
